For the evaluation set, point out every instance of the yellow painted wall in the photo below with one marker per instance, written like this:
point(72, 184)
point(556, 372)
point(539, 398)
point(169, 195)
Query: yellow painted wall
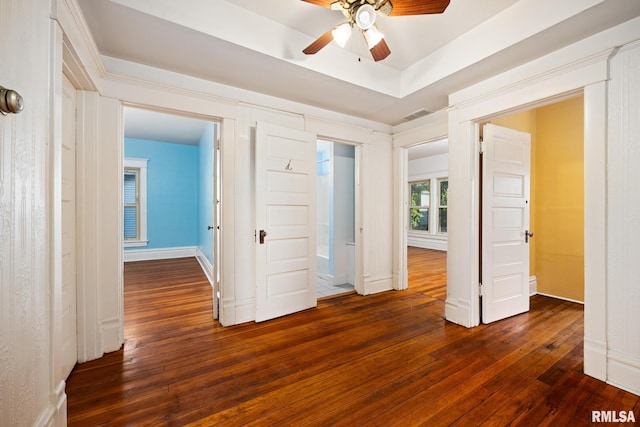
point(557, 195)
point(559, 226)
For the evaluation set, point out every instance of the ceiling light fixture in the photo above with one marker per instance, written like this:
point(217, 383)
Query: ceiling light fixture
point(373, 36)
point(341, 34)
point(365, 16)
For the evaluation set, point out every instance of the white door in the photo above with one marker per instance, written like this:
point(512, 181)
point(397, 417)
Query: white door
point(285, 221)
point(505, 223)
point(215, 256)
point(69, 350)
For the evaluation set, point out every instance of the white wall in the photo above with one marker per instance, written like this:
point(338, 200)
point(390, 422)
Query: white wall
point(623, 224)
point(30, 389)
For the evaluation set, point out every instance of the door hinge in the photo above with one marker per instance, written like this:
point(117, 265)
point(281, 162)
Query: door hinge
point(479, 289)
point(481, 147)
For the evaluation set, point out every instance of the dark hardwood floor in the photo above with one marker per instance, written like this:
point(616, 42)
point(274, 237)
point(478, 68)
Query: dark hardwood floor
point(384, 359)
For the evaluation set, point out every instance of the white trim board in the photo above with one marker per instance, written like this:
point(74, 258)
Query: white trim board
point(161, 253)
point(206, 266)
point(562, 298)
point(427, 242)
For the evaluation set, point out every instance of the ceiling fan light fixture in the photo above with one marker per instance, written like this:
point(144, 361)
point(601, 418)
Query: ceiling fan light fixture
point(365, 16)
point(341, 34)
point(373, 36)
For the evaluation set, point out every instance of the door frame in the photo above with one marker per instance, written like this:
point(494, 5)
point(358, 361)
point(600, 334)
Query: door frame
point(518, 94)
point(214, 276)
point(434, 128)
point(357, 212)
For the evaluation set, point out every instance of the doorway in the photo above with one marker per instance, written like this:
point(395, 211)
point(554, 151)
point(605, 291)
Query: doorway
point(171, 190)
point(556, 261)
point(427, 187)
point(336, 188)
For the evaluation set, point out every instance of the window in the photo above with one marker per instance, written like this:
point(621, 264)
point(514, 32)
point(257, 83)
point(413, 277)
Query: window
point(419, 210)
point(131, 204)
point(443, 189)
point(421, 217)
point(135, 202)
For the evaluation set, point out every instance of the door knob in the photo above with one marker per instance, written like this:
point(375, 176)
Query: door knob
point(263, 234)
point(527, 234)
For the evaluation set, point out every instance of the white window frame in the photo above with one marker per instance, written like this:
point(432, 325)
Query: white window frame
point(434, 204)
point(140, 165)
point(439, 206)
point(428, 206)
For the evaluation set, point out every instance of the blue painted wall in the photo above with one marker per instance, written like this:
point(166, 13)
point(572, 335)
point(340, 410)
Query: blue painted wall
point(172, 191)
point(205, 178)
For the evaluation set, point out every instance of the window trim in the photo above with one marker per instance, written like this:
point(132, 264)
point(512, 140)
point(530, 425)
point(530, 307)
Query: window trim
point(419, 207)
point(434, 205)
point(440, 206)
point(141, 166)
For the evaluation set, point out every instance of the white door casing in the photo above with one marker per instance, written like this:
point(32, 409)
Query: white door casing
point(69, 343)
point(286, 212)
point(505, 222)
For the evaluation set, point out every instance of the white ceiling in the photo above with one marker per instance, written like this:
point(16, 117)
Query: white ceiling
point(155, 126)
point(256, 45)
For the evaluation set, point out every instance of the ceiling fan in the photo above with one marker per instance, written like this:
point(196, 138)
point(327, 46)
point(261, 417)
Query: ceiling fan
point(362, 13)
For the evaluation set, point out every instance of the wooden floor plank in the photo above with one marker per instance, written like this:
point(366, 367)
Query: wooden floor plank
point(384, 359)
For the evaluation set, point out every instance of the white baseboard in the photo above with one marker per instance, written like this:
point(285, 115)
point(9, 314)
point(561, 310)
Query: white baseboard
point(245, 310)
point(458, 311)
point(206, 266)
point(595, 358)
point(55, 412)
point(623, 371)
point(533, 285)
point(111, 339)
point(562, 298)
point(374, 285)
point(163, 253)
point(437, 244)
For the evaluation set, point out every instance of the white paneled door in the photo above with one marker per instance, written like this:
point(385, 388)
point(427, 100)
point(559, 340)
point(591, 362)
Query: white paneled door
point(69, 350)
point(285, 221)
point(505, 223)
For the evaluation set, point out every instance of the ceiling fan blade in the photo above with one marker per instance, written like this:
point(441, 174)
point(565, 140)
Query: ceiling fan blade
point(323, 3)
point(418, 7)
point(380, 51)
point(319, 43)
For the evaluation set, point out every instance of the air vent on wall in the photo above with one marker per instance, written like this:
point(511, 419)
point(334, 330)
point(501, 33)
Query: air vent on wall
point(420, 113)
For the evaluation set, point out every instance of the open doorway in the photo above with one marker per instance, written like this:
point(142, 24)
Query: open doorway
point(556, 250)
point(427, 186)
point(335, 180)
point(171, 190)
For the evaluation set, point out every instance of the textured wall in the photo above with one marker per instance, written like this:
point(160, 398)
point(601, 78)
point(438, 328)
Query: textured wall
point(623, 211)
point(25, 365)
